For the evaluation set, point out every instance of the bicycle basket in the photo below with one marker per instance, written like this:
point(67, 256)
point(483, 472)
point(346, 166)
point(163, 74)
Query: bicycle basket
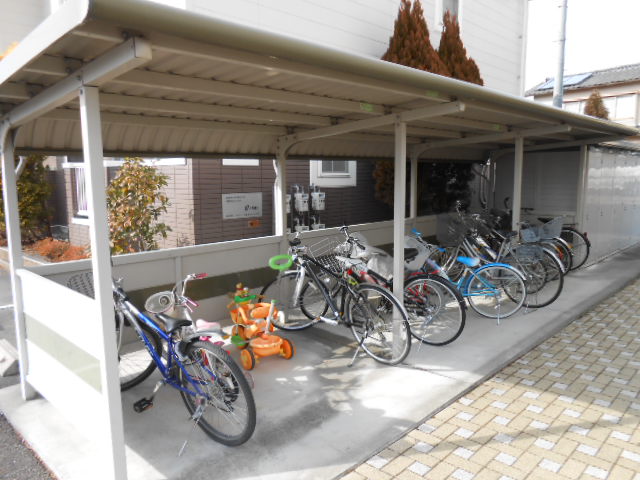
point(529, 235)
point(82, 283)
point(552, 228)
point(324, 252)
point(450, 230)
point(528, 252)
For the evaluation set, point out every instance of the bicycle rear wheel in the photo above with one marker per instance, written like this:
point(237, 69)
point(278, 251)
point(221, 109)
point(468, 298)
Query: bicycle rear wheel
point(435, 308)
point(495, 291)
point(562, 251)
point(379, 323)
point(227, 411)
point(298, 313)
point(579, 245)
point(135, 364)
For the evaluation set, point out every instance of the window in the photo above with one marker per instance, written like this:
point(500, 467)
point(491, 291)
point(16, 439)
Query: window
point(81, 207)
point(442, 6)
point(625, 107)
point(333, 173)
point(575, 107)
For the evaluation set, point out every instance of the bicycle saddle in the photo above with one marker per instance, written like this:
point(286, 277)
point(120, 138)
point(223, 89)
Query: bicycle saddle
point(171, 324)
point(295, 242)
point(510, 234)
point(410, 254)
point(545, 219)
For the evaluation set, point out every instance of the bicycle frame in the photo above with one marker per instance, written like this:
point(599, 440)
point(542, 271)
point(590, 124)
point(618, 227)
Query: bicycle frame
point(135, 316)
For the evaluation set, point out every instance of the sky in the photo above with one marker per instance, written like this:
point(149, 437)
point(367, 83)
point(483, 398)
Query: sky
point(600, 34)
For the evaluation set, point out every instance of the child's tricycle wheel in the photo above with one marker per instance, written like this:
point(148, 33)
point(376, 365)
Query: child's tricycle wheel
point(288, 350)
point(248, 359)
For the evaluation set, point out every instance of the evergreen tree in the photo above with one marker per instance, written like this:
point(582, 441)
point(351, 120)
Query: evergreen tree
point(33, 193)
point(410, 45)
point(454, 55)
point(595, 106)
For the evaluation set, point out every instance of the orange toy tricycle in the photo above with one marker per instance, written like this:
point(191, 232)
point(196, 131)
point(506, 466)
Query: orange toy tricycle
point(252, 322)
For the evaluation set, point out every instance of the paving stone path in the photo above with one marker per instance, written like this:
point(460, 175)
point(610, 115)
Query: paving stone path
point(569, 408)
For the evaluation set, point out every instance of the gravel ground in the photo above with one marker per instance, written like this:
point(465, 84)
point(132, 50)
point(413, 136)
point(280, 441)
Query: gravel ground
point(17, 460)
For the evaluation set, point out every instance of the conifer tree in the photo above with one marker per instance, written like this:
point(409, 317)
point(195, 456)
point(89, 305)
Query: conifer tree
point(454, 55)
point(410, 45)
point(595, 106)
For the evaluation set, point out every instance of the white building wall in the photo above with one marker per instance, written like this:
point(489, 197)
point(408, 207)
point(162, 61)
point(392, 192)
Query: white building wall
point(492, 30)
point(19, 18)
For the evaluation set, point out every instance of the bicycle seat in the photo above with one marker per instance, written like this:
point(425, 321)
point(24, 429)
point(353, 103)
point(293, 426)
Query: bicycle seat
point(509, 234)
point(469, 262)
point(295, 242)
point(410, 254)
point(171, 324)
point(545, 219)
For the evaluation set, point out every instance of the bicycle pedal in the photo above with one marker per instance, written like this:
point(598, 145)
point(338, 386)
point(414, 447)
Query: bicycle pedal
point(142, 405)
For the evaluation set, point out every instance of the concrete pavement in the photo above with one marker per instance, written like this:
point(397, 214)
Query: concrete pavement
point(317, 418)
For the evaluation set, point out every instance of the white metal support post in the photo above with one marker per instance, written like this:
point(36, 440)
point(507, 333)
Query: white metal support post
point(413, 197)
point(279, 195)
point(14, 240)
point(583, 176)
point(114, 460)
point(517, 182)
point(399, 202)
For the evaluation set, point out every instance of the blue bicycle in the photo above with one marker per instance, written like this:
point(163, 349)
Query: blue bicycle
point(212, 386)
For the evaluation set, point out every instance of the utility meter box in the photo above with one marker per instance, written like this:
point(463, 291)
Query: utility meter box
point(287, 201)
point(317, 226)
point(302, 228)
point(317, 200)
point(301, 202)
point(288, 229)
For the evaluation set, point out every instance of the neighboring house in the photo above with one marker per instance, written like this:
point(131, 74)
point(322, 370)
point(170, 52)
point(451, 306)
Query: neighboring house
point(197, 187)
point(619, 88)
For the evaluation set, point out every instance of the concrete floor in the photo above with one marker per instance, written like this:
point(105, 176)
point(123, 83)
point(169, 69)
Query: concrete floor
point(317, 418)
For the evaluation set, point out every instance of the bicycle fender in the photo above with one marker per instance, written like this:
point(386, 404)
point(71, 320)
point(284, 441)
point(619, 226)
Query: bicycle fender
point(505, 265)
point(555, 259)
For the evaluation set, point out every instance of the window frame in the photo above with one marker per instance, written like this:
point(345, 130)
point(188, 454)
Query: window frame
point(332, 180)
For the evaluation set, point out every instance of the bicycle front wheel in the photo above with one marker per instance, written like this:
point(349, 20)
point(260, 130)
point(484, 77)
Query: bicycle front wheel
point(435, 309)
point(135, 364)
point(225, 410)
point(299, 310)
point(495, 291)
point(379, 323)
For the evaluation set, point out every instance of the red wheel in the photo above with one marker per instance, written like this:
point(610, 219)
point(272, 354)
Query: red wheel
point(248, 359)
point(287, 350)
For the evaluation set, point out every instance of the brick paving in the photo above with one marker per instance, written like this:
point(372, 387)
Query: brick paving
point(569, 408)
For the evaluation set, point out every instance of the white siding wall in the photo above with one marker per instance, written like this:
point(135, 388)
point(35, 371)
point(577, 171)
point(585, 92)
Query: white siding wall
point(19, 18)
point(492, 30)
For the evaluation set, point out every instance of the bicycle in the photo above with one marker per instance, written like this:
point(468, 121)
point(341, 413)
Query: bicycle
point(377, 320)
point(435, 308)
point(208, 379)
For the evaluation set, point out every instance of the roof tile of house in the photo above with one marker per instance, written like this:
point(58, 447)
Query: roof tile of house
point(597, 78)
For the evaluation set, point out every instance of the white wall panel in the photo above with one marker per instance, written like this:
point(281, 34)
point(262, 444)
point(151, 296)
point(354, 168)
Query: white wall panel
point(487, 27)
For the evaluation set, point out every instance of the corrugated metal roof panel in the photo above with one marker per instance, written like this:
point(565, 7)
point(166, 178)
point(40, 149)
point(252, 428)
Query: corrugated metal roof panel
point(213, 87)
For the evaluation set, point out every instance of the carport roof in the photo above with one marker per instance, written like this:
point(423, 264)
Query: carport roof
point(199, 86)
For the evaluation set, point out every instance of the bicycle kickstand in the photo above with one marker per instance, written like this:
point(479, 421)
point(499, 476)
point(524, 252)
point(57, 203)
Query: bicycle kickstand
point(355, 355)
point(196, 418)
point(146, 403)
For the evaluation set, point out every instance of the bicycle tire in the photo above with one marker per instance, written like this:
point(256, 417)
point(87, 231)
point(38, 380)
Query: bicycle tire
point(553, 282)
point(435, 308)
point(135, 363)
point(282, 289)
point(229, 396)
point(495, 291)
point(562, 251)
point(578, 243)
point(370, 313)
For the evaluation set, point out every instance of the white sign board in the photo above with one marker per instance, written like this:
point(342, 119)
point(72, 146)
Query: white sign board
point(241, 205)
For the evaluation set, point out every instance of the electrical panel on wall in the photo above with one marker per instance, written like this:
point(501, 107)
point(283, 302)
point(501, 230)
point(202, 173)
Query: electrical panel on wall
point(304, 208)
